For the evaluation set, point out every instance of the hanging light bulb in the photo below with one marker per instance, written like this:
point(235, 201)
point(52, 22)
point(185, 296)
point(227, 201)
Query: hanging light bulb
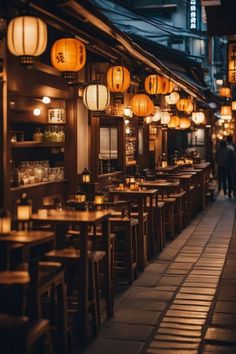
point(46, 100)
point(37, 112)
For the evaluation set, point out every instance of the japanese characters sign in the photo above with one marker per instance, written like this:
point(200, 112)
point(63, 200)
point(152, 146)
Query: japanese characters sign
point(56, 115)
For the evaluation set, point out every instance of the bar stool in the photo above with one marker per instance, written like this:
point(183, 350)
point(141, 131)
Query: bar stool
point(70, 258)
point(178, 210)
point(125, 230)
point(20, 335)
point(161, 226)
point(169, 216)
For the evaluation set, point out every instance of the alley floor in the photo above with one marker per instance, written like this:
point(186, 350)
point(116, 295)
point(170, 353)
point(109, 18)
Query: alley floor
point(185, 301)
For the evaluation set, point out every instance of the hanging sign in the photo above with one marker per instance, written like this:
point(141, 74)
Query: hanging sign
point(56, 115)
point(232, 62)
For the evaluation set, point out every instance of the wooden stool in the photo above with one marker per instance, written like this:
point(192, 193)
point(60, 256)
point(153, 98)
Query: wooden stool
point(178, 210)
point(161, 226)
point(19, 335)
point(126, 246)
point(70, 258)
point(145, 234)
point(169, 217)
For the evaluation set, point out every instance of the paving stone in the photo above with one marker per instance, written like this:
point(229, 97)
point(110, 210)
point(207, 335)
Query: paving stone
point(192, 302)
point(204, 291)
point(171, 351)
point(196, 285)
point(179, 265)
point(190, 259)
point(227, 295)
point(223, 319)
point(171, 280)
point(156, 268)
point(225, 307)
point(186, 314)
point(126, 331)
point(214, 334)
point(177, 271)
point(176, 338)
point(147, 294)
point(166, 288)
point(180, 332)
point(186, 307)
point(142, 305)
point(108, 346)
point(147, 280)
point(136, 317)
point(218, 349)
point(188, 320)
point(194, 297)
point(205, 272)
point(181, 326)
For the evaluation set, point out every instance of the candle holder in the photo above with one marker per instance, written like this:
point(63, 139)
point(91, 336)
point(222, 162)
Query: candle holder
point(5, 222)
point(86, 176)
point(99, 198)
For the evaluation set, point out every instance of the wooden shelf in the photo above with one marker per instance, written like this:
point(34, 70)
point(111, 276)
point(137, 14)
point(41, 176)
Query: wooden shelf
point(30, 144)
point(35, 122)
point(34, 185)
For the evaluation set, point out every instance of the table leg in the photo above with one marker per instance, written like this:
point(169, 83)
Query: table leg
point(141, 239)
point(107, 275)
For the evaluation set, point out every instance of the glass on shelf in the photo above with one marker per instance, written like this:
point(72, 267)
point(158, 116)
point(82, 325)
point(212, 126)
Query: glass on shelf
point(38, 135)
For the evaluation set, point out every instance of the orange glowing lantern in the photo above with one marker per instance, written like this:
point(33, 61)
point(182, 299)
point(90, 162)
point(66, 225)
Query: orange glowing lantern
point(141, 105)
point(184, 123)
point(68, 55)
point(165, 85)
point(174, 122)
point(225, 92)
point(153, 84)
point(182, 104)
point(118, 79)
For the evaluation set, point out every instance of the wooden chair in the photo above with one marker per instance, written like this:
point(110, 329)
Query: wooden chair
point(20, 335)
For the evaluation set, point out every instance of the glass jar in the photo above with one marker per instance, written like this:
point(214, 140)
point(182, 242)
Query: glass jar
point(38, 135)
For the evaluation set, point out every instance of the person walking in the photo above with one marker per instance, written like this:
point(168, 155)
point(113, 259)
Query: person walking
point(222, 160)
point(231, 171)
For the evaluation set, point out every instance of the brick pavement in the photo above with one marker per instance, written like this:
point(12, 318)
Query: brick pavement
point(184, 302)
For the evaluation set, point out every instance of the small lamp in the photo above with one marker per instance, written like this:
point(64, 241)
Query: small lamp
point(132, 183)
point(99, 198)
point(86, 176)
point(80, 197)
point(24, 211)
point(5, 222)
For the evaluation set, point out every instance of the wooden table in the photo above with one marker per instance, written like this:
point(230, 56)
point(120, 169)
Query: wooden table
point(140, 199)
point(84, 219)
point(164, 186)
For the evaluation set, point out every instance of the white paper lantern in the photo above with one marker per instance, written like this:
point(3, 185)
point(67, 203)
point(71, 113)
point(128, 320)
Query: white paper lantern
point(198, 117)
point(148, 119)
point(26, 37)
point(157, 114)
point(165, 118)
point(172, 98)
point(96, 97)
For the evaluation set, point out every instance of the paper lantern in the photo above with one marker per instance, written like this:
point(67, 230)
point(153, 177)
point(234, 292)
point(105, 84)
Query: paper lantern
point(26, 38)
point(24, 208)
point(174, 122)
point(80, 197)
point(233, 105)
point(153, 84)
point(148, 119)
point(96, 97)
point(165, 85)
point(5, 222)
point(86, 176)
point(171, 86)
point(165, 118)
point(128, 112)
point(157, 114)
point(141, 105)
point(225, 92)
point(198, 117)
point(68, 55)
point(182, 104)
point(172, 98)
point(184, 123)
point(190, 107)
point(118, 79)
point(226, 112)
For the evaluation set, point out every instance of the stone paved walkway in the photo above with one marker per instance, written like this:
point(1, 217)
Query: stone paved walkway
point(184, 302)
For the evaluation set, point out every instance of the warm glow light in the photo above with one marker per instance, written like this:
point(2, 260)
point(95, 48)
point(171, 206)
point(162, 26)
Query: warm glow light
point(46, 100)
point(165, 118)
point(225, 92)
point(184, 123)
point(96, 97)
point(5, 222)
point(86, 176)
point(198, 117)
point(172, 98)
point(174, 122)
point(80, 197)
point(226, 112)
point(157, 114)
point(27, 37)
point(152, 84)
point(128, 112)
point(148, 119)
point(141, 105)
point(118, 79)
point(36, 112)
point(126, 121)
point(233, 105)
point(219, 82)
point(182, 104)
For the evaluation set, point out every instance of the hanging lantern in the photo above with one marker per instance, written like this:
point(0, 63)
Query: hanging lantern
point(128, 112)
point(118, 79)
point(165, 118)
point(190, 107)
point(153, 84)
point(141, 105)
point(182, 104)
point(171, 86)
point(5, 222)
point(26, 38)
point(148, 119)
point(184, 123)
point(233, 105)
point(165, 85)
point(198, 117)
point(68, 55)
point(226, 112)
point(225, 92)
point(96, 97)
point(172, 98)
point(174, 122)
point(157, 114)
